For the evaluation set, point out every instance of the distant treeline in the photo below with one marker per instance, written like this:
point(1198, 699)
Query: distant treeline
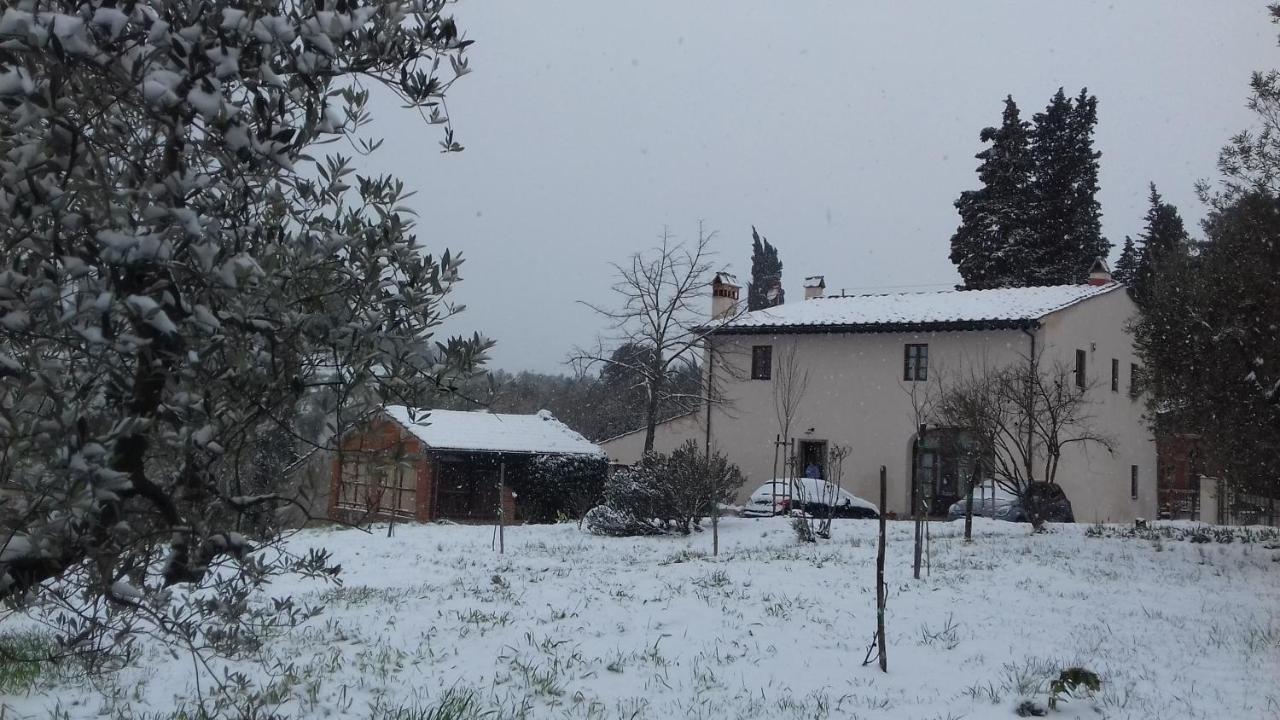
point(598, 406)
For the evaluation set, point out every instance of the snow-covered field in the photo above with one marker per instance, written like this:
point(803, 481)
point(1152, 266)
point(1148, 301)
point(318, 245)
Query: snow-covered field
point(566, 625)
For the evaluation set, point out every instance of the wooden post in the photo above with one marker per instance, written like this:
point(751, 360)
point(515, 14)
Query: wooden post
point(928, 550)
point(706, 454)
point(880, 587)
point(773, 481)
point(715, 507)
point(974, 477)
point(715, 530)
point(502, 504)
point(917, 499)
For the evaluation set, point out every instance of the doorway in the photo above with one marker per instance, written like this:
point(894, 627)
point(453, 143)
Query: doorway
point(467, 490)
point(943, 465)
point(811, 456)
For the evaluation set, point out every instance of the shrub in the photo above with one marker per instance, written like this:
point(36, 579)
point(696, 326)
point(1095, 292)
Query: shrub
point(673, 492)
point(604, 520)
point(556, 486)
point(696, 485)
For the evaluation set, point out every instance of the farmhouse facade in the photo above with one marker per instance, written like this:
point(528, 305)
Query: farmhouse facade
point(868, 359)
point(443, 464)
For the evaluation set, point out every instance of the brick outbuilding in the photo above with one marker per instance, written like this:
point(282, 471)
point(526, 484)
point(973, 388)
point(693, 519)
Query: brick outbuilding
point(443, 464)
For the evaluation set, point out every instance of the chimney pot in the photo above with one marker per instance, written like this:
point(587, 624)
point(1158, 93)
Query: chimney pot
point(814, 285)
point(724, 295)
point(1100, 273)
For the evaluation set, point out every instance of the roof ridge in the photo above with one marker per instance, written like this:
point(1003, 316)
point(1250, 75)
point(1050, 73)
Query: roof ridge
point(924, 307)
point(945, 292)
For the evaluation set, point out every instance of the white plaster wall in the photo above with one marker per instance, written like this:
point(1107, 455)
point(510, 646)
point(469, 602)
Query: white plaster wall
point(669, 435)
point(1097, 481)
point(855, 397)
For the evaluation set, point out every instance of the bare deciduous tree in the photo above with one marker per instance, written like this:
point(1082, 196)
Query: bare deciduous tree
point(790, 383)
point(1021, 418)
point(663, 314)
point(924, 397)
point(829, 491)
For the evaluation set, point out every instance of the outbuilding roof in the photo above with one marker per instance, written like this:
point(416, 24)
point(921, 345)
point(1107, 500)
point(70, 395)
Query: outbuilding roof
point(482, 431)
point(896, 312)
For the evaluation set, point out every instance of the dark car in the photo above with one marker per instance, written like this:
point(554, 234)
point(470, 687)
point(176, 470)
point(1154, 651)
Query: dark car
point(1001, 505)
point(815, 497)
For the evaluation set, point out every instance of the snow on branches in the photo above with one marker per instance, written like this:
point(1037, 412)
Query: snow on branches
point(181, 273)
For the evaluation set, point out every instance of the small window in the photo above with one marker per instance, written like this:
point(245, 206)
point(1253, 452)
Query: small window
point(1135, 386)
point(915, 363)
point(1115, 375)
point(1133, 481)
point(761, 362)
point(1081, 358)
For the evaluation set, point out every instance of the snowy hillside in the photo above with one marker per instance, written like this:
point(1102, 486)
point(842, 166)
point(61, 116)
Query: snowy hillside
point(573, 626)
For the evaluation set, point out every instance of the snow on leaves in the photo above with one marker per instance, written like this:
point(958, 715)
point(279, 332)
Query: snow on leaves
point(176, 278)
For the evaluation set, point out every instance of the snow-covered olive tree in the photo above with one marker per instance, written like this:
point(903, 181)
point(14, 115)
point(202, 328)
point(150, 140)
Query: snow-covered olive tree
point(182, 270)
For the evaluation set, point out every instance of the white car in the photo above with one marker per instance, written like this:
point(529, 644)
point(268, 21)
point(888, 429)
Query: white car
point(812, 495)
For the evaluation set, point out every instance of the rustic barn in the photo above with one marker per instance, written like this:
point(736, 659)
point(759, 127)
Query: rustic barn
point(450, 465)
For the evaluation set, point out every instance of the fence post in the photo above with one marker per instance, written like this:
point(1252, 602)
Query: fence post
point(880, 587)
point(502, 504)
point(917, 499)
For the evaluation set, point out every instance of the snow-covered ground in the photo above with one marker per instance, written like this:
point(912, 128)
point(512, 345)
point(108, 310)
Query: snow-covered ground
point(566, 625)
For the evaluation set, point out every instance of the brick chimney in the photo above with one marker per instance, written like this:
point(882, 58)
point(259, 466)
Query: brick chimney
point(814, 285)
point(724, 295)
point(1100, 273)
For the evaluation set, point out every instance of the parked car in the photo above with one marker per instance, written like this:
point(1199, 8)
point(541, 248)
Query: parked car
point(996, 502)
point(810, 495)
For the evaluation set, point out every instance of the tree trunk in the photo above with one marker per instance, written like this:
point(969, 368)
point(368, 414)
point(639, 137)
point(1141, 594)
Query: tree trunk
point(651, 411)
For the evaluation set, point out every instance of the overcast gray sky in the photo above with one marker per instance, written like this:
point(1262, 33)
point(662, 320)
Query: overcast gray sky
point(843, 130)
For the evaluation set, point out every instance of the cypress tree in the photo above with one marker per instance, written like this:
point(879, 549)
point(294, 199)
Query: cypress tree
point(994, 219)
point(1085, 241)
point(1209, 342)
point(1163, 236)
point(765, 288)
point(1067, 221)
point(1127, 265)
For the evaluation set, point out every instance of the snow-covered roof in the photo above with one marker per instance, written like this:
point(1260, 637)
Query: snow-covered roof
point(815, 281)
point(492, 432)
point(948, 309)
point(725, 278)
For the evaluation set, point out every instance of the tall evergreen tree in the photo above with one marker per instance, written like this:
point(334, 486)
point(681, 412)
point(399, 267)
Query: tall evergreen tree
point(1209, 342)
point(1208, 335)
point(1085, 238)
point(1127, 266)
point(995, 219)
point(1163, 236)
point(765, 288)
point(1068, 218)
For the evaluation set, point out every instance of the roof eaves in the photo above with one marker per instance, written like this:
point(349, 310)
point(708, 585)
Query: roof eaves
point(643, 428)
point(491, 451)
point(1102, 290)
point(884, 327)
